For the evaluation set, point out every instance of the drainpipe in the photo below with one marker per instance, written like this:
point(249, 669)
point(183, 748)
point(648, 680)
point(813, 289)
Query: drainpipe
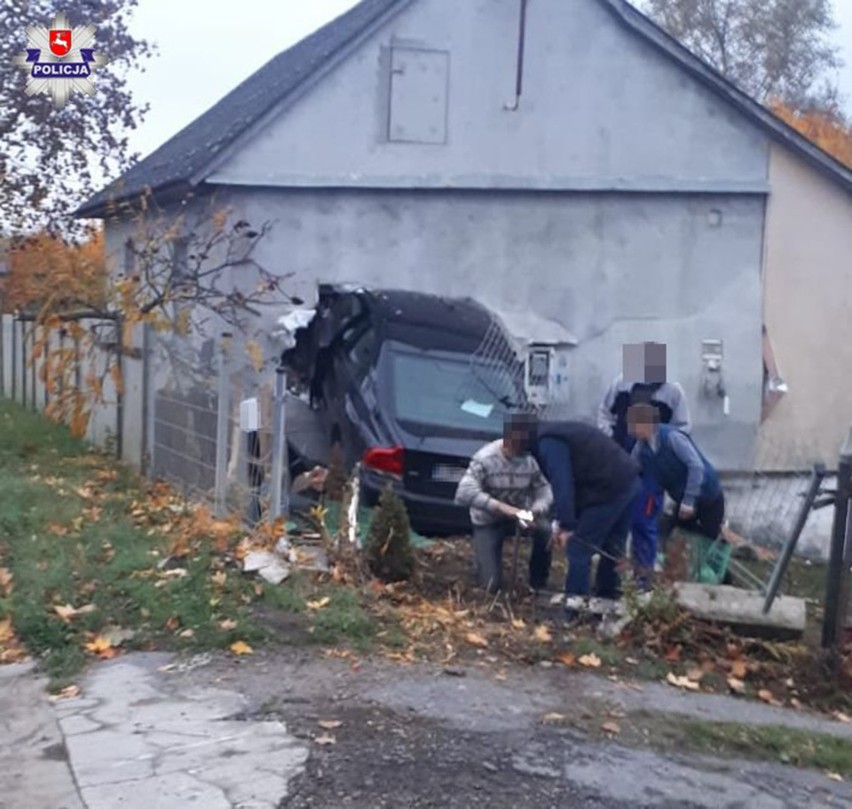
point(519, 77)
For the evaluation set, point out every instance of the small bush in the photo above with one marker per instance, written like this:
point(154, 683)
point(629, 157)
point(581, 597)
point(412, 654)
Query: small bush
point(389, 552)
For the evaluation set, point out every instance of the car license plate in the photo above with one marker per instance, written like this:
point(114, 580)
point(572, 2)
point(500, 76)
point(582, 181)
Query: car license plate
point(447, 474)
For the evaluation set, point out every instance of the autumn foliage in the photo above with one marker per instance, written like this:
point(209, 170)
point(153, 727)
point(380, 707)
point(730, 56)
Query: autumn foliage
point(49, 274)
point(825, 128)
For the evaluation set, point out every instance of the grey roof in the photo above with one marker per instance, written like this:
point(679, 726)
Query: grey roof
point(188, 153)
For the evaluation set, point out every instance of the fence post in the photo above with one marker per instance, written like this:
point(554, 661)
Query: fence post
point(817, 477)
point(119, 388)
point(223, 411)
point(33, 368)
point(14, 358)
point(280, 503)
point(145, 461)
point(46, 365)
point(836, 592)
point(23, 364)
point(2, 345)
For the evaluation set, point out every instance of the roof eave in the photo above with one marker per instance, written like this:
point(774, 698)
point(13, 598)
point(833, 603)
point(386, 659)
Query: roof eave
point(121, 206)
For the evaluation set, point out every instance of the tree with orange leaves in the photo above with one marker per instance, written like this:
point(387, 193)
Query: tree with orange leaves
point(176, 281)
point(826, 128)
point(49, 274)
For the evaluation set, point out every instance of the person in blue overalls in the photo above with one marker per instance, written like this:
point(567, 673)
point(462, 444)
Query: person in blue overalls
point(672, 458)
point(643, 381)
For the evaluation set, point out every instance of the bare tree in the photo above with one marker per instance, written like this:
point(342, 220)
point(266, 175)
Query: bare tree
point(775, 50)
point(50, 159)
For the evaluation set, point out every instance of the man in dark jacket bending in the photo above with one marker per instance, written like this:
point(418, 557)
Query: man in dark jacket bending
point(595, 483)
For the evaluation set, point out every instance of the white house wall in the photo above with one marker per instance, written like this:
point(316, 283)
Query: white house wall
point(601, 109)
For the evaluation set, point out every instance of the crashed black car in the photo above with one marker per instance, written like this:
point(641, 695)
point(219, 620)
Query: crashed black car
point(399, 380)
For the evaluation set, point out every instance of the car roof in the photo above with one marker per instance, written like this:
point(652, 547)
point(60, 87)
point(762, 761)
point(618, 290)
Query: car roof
point(426, 321)
point(431, 322)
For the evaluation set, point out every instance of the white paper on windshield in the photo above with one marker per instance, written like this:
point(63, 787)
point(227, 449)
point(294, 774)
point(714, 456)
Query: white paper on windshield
point(477, 408)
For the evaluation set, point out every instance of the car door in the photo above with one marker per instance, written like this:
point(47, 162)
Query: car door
point(354, 362)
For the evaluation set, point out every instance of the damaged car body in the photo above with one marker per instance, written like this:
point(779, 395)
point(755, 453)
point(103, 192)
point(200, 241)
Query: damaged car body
point(394, 378)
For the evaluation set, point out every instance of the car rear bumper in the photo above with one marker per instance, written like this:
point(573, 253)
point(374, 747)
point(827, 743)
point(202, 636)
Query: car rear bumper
point(430, 516)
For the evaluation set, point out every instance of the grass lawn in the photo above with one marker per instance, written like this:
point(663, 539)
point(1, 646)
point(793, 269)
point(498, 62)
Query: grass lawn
point(72, 538)
point(801, 748)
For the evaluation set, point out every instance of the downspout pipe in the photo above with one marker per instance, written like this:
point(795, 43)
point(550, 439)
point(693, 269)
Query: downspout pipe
point(519, 76)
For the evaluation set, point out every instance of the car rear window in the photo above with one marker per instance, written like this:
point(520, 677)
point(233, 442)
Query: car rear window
point(448, 392)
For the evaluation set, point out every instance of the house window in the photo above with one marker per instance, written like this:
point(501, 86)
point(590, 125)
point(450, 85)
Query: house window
point(774, 387)
point(419, 91)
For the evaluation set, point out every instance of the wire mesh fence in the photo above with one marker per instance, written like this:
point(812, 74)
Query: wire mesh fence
point(762, 506)
point(212, 417)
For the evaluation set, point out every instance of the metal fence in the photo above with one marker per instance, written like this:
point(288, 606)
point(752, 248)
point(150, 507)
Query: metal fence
point(837, 620)
point(33, 374)
point(172, 408)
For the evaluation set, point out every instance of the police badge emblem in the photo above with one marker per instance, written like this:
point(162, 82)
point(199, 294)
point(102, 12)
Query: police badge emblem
point(60, 60)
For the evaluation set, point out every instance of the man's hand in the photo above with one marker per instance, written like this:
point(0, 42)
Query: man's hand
point(508, 511)
point(560, 539)
point(686, 513)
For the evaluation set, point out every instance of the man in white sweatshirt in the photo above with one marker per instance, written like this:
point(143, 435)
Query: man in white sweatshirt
point(503, 479)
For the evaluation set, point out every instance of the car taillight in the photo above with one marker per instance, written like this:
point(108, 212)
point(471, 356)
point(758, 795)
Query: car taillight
point(387, 460)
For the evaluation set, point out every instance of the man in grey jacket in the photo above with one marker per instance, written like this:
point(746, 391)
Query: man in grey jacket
point(502, 481)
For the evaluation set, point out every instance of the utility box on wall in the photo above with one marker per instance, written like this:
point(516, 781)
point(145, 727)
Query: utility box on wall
point(546, 375)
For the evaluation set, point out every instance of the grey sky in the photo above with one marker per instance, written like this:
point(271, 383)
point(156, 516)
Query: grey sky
point(203, 54)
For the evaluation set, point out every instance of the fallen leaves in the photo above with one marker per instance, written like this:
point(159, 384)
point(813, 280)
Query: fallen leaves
point(11, 650)
point(567, 659)
point(736, 685)
point(834, 776)
point(684, 683)
point(227, 624)
point(553, 718)
point(475, 639)
point(5, 581)
point(611, 728)
point(68, 613)
point(739, 669)
point(240, 648)
point(102, 647)
point(319, 604)
point(590, 661)
point(842, 717)
point(69, 692)
point(330, 724)
point(325, 739)
point(542, 634)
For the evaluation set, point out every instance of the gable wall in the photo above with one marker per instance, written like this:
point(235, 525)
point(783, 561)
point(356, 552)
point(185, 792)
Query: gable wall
point(600, 109)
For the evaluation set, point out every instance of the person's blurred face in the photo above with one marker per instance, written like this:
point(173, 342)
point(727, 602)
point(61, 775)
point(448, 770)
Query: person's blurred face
point(641, 430)
point(516, 442)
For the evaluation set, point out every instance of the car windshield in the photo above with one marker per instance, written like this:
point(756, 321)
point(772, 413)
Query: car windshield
point(456, 393)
